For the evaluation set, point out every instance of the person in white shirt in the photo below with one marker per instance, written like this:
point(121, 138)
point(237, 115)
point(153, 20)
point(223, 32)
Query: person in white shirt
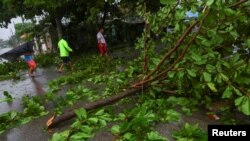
point(102, 45)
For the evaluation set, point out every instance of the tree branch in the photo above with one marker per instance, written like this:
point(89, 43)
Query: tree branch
point(53, 121)
point(163, 73)
point(186, 33)
point(237, 3)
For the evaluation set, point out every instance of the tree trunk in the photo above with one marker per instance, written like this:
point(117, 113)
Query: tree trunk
point(89, 106)
point(105, 14)
point(59, 28)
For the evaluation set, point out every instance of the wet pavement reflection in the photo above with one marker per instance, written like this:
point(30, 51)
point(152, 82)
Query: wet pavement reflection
point(31, 86)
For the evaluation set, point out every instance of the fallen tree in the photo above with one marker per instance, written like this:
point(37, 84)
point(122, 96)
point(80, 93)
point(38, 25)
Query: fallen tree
point(196, 77)
point(136, 87)
point(53, 121)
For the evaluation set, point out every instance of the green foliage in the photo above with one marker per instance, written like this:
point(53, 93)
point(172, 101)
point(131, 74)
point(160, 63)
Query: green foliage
point(187, 105)
point(9, 70)
point(46, 60)
point(208, 68)
point(7, 120)
point(60, 136)
point(155, 136)
point(138, 123)
point(170, 116)
point(84, 126)
point(243, 104)
point(32, 109)
point(22, 28)
point(197, 72)
point(8, 98)
point(190, 133)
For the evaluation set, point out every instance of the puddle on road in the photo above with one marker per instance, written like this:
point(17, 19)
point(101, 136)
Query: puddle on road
point(25, 86)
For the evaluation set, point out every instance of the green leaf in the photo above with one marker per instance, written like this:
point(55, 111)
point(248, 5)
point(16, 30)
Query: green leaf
point(206, 42)
point(248, 43)
point(80, 136)
point(93, 120)
point(128, 136)
point(26, 120)
point(2, 130)
point(171, 115)
point(172, 100)
point(227, 93)
point(60, 136)
point(237, 91)
point(212, 87)
point(207, 77)
point(211, 33)
point(243, 104)
point(86, 129)
point(13, 114)
point(8, 98)
point(76, 124)
point(121, 116)
point(177, 27)
point(238, 101)
point(100, 112)
point(234, 34)
point(180, 15)
point(218, 78)
point(81, 113)
point(155, 136)
point(229, 11)
point(196, 57)
point(245, 107)
point(186, 110)
point(171, 74)
point(116, 129)
point(209, 2)
point(191, 73)
point(219, 3)
point(164, 2)
point(180, 74)
point(190, 133)
point(102, 122)
point(224, 77)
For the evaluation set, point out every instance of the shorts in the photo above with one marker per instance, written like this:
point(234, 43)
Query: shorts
point(65, 59)
point(31, 64)
point(102, 48)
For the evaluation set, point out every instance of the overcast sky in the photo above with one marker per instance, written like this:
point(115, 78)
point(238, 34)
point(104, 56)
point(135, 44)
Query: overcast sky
point(5, 33)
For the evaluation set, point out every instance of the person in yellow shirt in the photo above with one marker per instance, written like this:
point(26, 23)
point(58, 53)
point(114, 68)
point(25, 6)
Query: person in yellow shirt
point(64, 50)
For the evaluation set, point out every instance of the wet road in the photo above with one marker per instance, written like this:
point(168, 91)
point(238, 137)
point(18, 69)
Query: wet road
point(26, 86)
point(35, 130)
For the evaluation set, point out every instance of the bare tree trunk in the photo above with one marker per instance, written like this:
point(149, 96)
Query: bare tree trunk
point(105, 14)
point(59, 27)
point(89, 106)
